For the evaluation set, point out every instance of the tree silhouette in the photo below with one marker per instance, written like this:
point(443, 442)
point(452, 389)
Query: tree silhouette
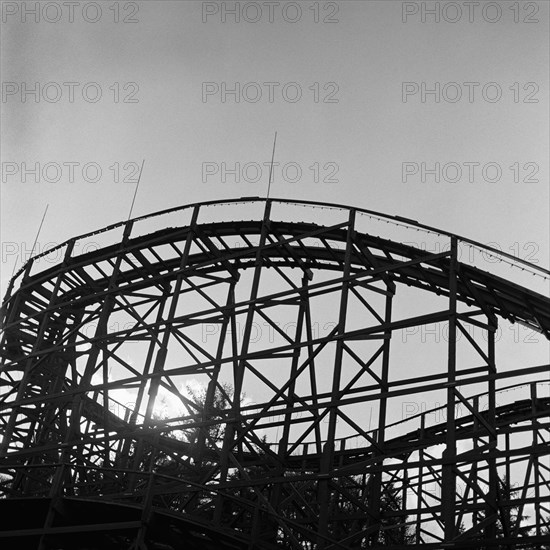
point(509, 522)
point(393, 525)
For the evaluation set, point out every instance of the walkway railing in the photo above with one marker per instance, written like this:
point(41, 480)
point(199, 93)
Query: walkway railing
point(491, 257)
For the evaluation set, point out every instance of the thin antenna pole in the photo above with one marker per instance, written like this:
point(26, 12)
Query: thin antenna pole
point(136, 189)
point(271, 166)
point(38, 232)
point(14, 266)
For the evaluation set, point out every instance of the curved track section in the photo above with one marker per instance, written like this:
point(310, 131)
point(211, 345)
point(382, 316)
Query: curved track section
point(245, 375)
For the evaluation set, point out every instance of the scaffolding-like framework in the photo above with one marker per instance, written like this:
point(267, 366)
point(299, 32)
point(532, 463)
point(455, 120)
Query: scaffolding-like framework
point(241, 383)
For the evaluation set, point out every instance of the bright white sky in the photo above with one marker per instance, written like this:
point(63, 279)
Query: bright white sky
point(359, 61)
point(369, 52)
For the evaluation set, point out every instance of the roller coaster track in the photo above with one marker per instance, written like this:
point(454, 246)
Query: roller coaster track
point(299, 468)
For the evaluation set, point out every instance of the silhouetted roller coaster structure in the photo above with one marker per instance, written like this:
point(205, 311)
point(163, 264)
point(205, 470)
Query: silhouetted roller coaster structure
point(256, 374)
